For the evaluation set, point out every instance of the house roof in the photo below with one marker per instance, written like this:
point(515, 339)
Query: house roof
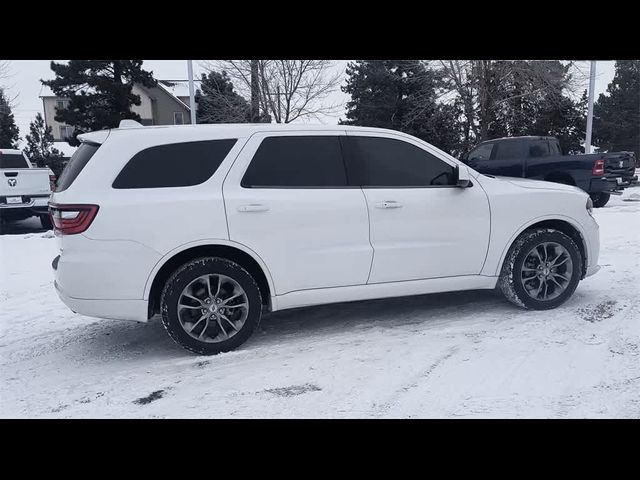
point(173, 88)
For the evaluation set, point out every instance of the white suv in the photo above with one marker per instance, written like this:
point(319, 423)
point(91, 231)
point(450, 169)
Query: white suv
point(209, 225)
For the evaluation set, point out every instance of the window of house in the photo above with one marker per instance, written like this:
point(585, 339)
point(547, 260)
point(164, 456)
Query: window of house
point(297, 161)
point(62, 104)
point(389, 162)
point(178, 118)
point(66, 132)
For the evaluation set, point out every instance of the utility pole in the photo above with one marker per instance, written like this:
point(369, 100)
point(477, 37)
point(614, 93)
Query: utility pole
point(592, 84)
point(192, 94)
point(255, 92)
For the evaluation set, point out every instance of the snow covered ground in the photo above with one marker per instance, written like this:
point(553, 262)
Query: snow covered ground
point(456, 355)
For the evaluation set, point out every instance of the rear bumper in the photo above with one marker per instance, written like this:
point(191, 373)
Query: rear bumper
point(36, 206)
point(611, 184)
point(135, 310)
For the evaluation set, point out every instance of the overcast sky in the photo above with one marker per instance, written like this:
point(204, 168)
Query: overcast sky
point(25, 75)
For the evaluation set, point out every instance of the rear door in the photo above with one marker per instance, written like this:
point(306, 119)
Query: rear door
point(287, 199)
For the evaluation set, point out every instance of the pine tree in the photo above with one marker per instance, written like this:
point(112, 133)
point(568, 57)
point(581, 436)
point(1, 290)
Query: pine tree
point(616, 119)
point(218, 102)
point(39, 147)
point(401, 95)
point(9, 133)
point(99, 92)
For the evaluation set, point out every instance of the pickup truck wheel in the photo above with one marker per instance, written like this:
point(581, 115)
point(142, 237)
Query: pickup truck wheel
point(45, 221)
point(541, 270)
point(210, 305)
point(600, 199)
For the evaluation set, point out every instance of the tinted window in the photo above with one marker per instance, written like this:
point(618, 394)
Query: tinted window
point(300, 161)
point(174, 165)
point(539, 148)
point(77, 162)
point(12, 160)
point(482, 152)
point(387, 162)
point(506, 150)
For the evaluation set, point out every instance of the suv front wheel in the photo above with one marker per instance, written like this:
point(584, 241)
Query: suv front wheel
point(541, 270)
point(210, 305)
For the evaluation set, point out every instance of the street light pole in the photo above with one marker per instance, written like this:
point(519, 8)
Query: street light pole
point(192, 94)
point(592, 84)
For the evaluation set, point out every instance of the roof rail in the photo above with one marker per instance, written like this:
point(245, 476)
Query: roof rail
point(129, 124)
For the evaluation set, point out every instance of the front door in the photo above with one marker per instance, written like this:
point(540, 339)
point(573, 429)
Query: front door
point(421, 225)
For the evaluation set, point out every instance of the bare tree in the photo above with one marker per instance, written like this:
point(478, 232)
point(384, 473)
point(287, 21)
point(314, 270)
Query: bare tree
point(287, 90)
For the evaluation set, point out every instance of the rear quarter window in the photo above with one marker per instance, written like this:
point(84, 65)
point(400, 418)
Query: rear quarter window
point(174, 165)
point(76, 164)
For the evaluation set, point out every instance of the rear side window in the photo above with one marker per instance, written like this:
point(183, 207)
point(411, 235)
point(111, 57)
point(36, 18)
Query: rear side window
point(539, 148)
point(297, 161)
point(12, 160)
point(387, 162)
point(506, 150)
point(77, 162)
point(174, 165)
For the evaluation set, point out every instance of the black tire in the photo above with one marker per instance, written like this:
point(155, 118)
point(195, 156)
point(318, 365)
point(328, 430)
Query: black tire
point(186, 274)
point(510, 282)
point(45, 221)
point(600, 199)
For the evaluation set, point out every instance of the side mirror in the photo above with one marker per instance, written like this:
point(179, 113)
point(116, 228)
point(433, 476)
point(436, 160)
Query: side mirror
point(463, 180)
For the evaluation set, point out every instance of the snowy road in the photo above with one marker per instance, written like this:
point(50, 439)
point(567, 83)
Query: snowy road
point(456, 355)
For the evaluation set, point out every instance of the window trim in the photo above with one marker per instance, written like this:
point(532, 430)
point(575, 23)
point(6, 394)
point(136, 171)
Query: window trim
point(250, 148)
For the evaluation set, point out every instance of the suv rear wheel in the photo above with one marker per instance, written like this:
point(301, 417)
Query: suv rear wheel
point(541, 270)
point(210, 305)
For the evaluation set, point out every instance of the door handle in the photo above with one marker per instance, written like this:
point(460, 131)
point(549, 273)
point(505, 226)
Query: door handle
point(388, 204)
point(253, 207)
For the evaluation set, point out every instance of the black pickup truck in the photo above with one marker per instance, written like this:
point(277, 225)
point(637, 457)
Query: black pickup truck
point(599, 174)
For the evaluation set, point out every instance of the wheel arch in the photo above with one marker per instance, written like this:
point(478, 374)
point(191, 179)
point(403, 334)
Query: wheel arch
point(563, 224)
point(233, 251)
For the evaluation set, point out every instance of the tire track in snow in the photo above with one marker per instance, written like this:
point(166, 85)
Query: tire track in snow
point(418, 380)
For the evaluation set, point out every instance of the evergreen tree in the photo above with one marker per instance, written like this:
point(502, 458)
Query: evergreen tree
point(531, 99)
point(217, 102)
point(9, 133)
point(99, 92)
point(401, 95)
point(39, 147)
point(616, 120)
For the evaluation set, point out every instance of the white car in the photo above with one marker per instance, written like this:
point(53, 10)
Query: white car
point(24, 189)
point(210, 225)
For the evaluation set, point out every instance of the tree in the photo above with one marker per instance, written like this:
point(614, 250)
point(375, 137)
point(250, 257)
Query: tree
point(39, 147)
point(508, 98)
point(99, 92)
point(401, 95)
point(218, 102)
point(616, 121)
point(9, 133)
point(287, 90)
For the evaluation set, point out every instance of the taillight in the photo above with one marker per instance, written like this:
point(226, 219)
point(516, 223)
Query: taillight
point(72, 219)
point(598, 167)
point(52, 182)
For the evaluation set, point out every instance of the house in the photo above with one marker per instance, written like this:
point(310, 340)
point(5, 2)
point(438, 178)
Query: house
point(165, 104)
